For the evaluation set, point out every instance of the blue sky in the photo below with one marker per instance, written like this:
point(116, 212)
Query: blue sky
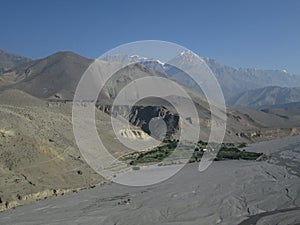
point(242, 33)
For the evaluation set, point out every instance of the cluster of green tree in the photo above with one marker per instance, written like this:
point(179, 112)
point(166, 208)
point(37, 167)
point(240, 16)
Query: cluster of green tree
point(228, 151)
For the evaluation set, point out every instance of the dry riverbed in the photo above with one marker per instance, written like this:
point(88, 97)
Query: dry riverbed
point(228, 192)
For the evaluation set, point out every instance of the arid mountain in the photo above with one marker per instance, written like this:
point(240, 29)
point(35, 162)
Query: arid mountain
point(9, 61)
point(54, 76)
point(158, 66)
point(267, 97)
point(233, 81)
point(57, 76)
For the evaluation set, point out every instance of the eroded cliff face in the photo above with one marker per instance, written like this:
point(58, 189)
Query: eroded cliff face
point(20, 199)
point(240, 127)
point(141, 116)
point(269, 134)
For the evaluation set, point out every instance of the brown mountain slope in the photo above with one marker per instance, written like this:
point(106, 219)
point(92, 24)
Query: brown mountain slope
point(57, 75)
point(38, 153)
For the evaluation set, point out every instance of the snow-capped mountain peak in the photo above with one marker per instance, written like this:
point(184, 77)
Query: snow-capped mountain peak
point(186, 58)
point(130, 58)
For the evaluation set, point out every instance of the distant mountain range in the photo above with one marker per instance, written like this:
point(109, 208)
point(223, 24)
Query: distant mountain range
point(236, 81)
point(9, 61)
point(233, 81)
point(58, 75)
point(272, 96)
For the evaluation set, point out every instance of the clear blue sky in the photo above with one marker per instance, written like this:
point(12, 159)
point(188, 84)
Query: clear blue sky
point(241, 33)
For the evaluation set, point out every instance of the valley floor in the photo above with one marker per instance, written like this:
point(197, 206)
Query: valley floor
point(228, 192)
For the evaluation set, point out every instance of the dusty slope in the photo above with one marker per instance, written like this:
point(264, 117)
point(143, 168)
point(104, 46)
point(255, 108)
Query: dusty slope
point(38, 153)
point(37, 149)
